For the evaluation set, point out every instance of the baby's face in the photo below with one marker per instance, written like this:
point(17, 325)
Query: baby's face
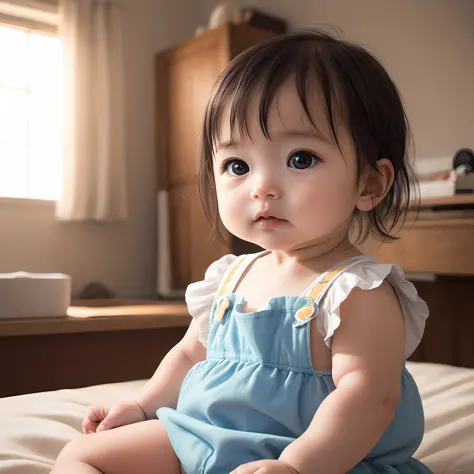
point(292, 190)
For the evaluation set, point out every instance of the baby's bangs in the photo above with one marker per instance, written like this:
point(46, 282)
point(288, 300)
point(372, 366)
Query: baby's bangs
point(262, 75)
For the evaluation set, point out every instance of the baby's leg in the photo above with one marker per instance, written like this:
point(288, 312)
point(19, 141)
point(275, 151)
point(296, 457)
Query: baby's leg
point(141, 448)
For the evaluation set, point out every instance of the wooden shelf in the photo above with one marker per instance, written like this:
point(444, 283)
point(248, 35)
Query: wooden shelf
point(97, 317)
point(456, 200)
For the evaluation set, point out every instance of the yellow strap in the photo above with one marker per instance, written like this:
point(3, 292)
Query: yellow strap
point(228, 284)
point(321, 285)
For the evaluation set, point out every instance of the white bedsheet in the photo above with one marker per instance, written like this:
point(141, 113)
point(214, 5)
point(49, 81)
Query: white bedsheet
point(34, 428)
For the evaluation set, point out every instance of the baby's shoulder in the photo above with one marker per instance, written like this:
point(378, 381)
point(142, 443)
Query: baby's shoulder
point(380, 297)
point(378, 288)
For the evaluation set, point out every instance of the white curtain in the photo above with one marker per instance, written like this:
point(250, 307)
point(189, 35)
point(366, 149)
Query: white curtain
point(93, 171)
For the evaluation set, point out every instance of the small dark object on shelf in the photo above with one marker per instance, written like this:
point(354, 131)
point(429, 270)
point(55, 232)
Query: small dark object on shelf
point(96, 290)
point(464, 156)
point(463, 165)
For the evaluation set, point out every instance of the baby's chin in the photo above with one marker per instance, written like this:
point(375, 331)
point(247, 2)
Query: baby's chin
point(271, 240)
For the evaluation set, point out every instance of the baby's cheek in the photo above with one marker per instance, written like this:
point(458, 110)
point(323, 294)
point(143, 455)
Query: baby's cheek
point(325, 208)
point(231, 213)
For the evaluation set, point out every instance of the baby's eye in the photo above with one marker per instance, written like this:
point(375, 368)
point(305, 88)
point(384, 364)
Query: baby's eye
point(302, 160)
point(236, 167)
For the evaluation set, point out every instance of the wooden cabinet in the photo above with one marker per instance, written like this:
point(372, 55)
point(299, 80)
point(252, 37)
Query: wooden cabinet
point(437, 240)
point(185, 76)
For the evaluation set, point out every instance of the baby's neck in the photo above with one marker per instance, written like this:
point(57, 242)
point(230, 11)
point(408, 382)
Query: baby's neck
point(317, 254)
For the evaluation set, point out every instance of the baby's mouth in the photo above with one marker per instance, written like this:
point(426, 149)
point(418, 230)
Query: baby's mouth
point(269, 218)
point(269, 222)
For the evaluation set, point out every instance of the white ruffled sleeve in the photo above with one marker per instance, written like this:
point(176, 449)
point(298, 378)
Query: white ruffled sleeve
point(200, 295)
point(367, 276)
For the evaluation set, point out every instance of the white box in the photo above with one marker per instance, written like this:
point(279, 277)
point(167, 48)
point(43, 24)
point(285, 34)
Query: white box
point(433, 189)
point(34, 295)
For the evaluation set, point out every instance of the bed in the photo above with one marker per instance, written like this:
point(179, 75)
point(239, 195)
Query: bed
point(34, 427)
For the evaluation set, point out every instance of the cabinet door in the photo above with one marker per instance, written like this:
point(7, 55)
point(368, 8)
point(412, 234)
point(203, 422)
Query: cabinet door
point(191, 72)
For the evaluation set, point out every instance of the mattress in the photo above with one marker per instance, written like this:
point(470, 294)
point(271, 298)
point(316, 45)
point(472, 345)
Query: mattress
point(34, 428)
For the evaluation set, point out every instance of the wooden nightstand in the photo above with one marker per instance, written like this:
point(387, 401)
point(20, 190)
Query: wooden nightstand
point(107, 341)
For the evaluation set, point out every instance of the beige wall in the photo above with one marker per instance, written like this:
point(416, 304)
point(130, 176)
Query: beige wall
point(120, 255)
point(427, 46)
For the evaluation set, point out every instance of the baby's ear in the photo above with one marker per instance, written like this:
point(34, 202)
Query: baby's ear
point(375, 185)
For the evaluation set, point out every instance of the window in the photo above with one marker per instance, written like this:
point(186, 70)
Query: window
point(30, 113)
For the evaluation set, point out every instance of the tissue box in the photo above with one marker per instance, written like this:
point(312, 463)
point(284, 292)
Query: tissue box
point(34, 295)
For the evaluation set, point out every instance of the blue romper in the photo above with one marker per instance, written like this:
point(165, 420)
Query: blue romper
point(257, 392)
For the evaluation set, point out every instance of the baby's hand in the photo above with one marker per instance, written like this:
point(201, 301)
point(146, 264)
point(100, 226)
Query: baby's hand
point(265, 466)
point(102, 417)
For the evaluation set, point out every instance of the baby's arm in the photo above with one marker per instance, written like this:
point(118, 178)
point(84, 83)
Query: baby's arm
point(138, 447)
point(368, 354)
point(163, 388)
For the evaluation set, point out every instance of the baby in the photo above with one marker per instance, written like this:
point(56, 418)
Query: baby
point(294, 361)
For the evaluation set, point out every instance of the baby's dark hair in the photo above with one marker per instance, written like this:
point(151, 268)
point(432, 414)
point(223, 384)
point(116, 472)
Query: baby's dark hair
point(356, 90)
